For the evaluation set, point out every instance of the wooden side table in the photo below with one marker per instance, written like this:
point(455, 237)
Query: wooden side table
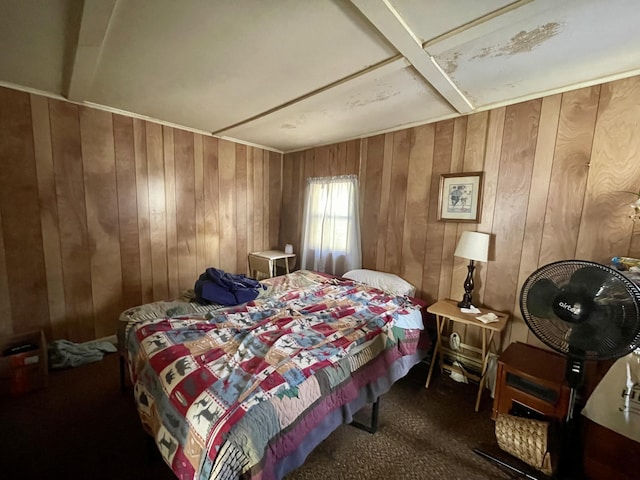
point(448, 310)
point(266, 261)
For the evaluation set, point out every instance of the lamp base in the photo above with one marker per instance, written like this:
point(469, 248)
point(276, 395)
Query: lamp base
point(465, 302)
point(468, 287)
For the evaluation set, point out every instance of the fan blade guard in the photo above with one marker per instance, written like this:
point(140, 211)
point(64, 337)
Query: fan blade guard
point(582, 309)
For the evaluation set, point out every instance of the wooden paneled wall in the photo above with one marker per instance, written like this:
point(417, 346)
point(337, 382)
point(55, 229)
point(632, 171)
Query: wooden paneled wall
point(100, 212)
point(555, 171)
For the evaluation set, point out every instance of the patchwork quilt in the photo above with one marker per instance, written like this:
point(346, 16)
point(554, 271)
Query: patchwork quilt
point(229, 393)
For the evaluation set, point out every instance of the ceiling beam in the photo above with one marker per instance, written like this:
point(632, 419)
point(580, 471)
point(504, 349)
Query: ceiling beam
point(390, 64)
point(96, 16)
point(386, 19)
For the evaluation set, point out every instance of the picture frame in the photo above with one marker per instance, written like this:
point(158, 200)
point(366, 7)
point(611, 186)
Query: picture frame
point(460, 197)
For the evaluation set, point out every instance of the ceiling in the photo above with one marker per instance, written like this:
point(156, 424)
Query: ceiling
point(292, 74)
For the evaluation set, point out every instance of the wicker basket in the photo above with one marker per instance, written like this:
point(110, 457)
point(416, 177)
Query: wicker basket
point(526, 439)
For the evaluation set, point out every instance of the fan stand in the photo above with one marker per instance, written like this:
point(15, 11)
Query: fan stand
point(508, 466)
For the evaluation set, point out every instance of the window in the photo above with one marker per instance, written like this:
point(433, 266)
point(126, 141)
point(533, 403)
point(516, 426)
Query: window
point(331, 225)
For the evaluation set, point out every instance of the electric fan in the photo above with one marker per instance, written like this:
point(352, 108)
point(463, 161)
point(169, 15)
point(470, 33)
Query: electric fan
point(585, 311)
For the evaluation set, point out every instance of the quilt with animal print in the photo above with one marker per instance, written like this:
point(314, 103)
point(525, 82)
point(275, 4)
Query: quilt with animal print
point(228, 393)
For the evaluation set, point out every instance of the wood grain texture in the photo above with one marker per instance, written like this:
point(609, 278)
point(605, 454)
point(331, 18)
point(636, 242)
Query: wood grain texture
point(521, 197)
point(20, 212)
point(142, 194)
point(251, 206)
point(227, 198)
point(98, 164)
point(198, 164)
point(385, 193)
point(613, 170)
point(48, 216)
point(416, 214)
point(290, 196)
point(435, 232)
point(100, 212)
point(337, 158)
point(397, 202)
point(534, 224)
point(569, 174)
point(6, 328)
point(371, 205)
point(274, 201)
point(185, 208)
point(258, 198)
point(127, 211)
point(157, 211)
point(265, 198)
point(72, 216)
point(352, 161)
point(211, 189)
point(242, 265)
point(168, 148)
point(516, 165)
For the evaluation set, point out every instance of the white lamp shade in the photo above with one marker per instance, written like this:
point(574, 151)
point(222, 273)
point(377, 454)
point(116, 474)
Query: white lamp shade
point(474, 246)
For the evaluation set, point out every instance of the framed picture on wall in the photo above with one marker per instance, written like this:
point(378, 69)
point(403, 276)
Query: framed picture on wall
point(459, 197)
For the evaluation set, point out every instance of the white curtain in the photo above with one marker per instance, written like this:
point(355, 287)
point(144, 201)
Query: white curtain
point(331, 225)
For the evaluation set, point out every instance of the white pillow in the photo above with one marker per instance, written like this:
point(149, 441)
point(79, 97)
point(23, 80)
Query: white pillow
point(384, 281)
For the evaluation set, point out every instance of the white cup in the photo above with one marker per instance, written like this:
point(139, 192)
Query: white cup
point(288, 248)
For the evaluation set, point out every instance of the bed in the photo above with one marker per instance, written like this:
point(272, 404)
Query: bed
point(248, 391)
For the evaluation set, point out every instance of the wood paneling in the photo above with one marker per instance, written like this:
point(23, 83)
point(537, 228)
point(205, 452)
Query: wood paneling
point(371, 183)
point(72, 220)
point(241, 209)
point(538, 193)
point(100, 212)
point(568, 180)
point(127, 211)
point(48, 215)
point(101, 199)
point(20, 213)
point(211, 188)
point(198, 164)
point(142, 200)
point(613, 169)
point(554, 169)
point(170, 209)
point(397, 203)
point(157, 211)
point(417, 205)
point(273, 203)
point(185, 208)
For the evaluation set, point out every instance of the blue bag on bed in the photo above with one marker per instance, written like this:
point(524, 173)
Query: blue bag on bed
point(217, 286)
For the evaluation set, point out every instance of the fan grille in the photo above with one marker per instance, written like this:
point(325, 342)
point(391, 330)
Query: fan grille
point(610, 330)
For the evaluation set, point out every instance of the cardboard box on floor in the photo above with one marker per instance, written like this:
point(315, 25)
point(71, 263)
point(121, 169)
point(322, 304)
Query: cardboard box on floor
point(23, 363)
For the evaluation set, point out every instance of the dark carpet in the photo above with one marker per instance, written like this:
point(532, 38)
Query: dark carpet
point(82, 426)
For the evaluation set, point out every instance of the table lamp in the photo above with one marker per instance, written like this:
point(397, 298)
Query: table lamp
point(475, 247)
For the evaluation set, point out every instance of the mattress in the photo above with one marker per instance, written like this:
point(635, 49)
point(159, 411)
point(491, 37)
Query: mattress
point(248, 391)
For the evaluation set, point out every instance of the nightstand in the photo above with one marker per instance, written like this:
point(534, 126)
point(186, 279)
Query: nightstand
point(448, 310)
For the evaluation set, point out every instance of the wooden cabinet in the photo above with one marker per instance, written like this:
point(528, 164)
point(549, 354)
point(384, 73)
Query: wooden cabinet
point(531, 381)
